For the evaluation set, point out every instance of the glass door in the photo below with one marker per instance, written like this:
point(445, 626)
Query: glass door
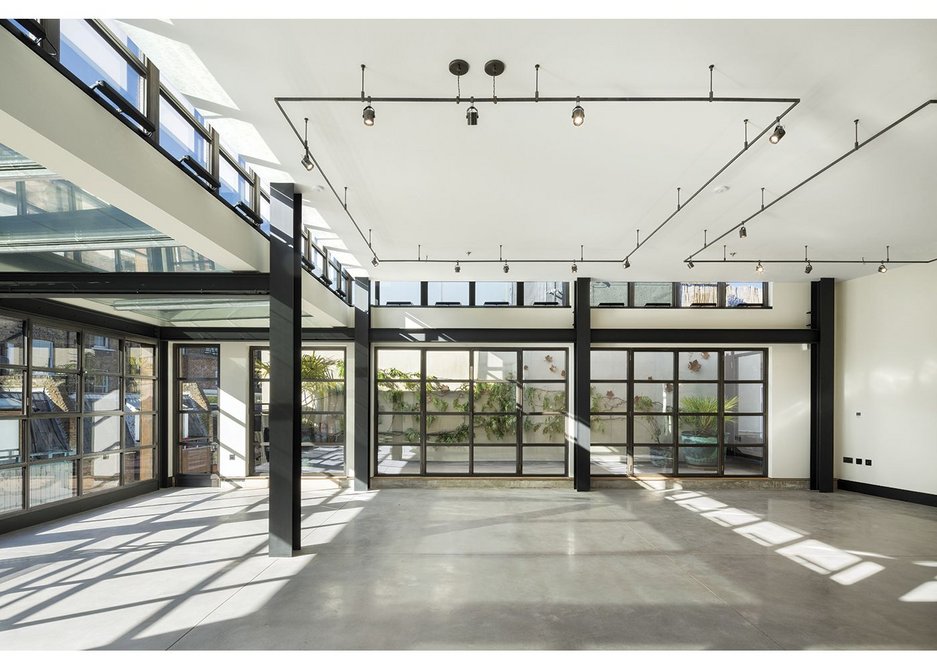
point(197, 390)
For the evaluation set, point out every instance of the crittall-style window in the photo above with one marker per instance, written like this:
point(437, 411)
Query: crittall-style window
point(678, 412)
point(471, 411)
point(323, 411)
point(77, 413)
point(197, 388)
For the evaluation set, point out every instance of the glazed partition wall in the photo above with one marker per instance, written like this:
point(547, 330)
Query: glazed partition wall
point(678, 412)
point(77, 412)
point(323, 411)
point(475, 411)
point(198, 381)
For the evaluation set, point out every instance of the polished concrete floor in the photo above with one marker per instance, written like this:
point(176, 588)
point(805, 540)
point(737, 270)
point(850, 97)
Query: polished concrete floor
point(479, 568)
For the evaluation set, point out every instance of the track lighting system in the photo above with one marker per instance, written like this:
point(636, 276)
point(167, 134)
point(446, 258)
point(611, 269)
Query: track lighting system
point(368, 114)
point(307, 158)
point(471, 114)
point(627, 263)
point(759, 268)
point(574, 268)
point(689, 264)
point(457, 267)
point(579, 114)
point(374, 261)
point(506, 268)
point(809, 267)
point(882, 268)
point(778, 133)
point(743, 233)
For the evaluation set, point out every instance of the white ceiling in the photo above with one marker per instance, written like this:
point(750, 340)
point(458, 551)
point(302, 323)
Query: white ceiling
point(526, 178)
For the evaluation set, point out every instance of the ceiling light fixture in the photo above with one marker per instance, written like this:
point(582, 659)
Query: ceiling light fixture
point(457, 267)
point(689, 264)
point(307, 158)
point(627, 263)
point(471, 115)
point(574, 268)
point(368, 114)
point(579, 114)
point(743, 233)
point(506, 267)
point(759, 268)
point(882, 268)
point(778, 134)
point(374, 261)
point(809, 266)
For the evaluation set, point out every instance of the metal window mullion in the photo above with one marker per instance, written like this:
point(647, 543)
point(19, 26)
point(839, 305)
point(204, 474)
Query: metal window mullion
point(118, 46)
point(675, 410)
point(422, 385)
point(519, 412)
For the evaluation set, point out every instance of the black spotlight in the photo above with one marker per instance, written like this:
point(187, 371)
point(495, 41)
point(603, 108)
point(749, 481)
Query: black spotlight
point(579, 114)
point(368, 115)
point(471, 116)
point(882, 268)
point(778, 133)
point(808, 268)
point(759, 268)
point(743, 233)
point(307, 162)
point(506, 268)
point(457, 267)
point(374, 261)
point(689, 264)
point(574, 268)
point(627, 263)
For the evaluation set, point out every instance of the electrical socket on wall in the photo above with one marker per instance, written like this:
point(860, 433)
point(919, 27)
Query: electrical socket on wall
point(868, 462)
point(847, 460)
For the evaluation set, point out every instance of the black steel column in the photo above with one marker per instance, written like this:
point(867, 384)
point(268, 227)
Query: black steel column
point(581, 402)
point(362, 414)
point(285, 350)
point(822, 316)
point(164, 447)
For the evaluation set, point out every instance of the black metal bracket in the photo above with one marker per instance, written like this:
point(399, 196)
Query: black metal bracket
point(111, 95)
point(200, 172)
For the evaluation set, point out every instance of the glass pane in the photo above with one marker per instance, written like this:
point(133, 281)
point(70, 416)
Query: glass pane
point(544, 428)
point(398, 428)
point(744, 398)
point(52, 481)
point(495, 397)
point(490, 460)
point(138, 465)
point(55, 437)
point(53, 347)
point(100, 473)
point(11, 341)
point(745, 460)
point(139, 430)
point(11, 392)
point(494, 293)
point(102, 393)
point(323, 428)
point(545, 292)
point(744, 365)
point(198, 428)
point(608, 397)
point(495, 428)
point(694, 294)
point(198, 459)
point(447, 429)
point(141, 359)
point(323, 396)
point(102, 354)
point(233, 186)
point(699, 365)
point(608, 459)
point(11, 490)
point(653, 397)
point(398, 397)
point(54, 392)
point(178, 136)
point(400, 292)
point(609, 293)
point(198, 361)
point(447, 364)
point(544, 461)
point(10, 441)
point(699, 398)
point(545, 398)
point(199, 395)
point(398, 364)
point(738, 294)
point(86, 55)
point(323, 365)
point(698, 460)
point(447, 397)
point(447, 459)
point(744, 429)
point(544, 364)
point(653, 460)
point(260, 363)
point(699, 429)
point(653, 429)
point(323, 458)
point(609, 364)
point(495, 365)
point(653, 366)
point(653, 294)
point(261, 392)
point(101, 433)
point(260, 438)
point(610, 429)
point(140, 395)
point(446, 291)
point(398, 460)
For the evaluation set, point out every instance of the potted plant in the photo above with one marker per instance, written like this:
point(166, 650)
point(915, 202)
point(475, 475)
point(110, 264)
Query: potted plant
point(699, 423)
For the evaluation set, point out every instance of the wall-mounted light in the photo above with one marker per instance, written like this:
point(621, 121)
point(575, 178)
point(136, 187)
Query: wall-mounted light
point(579, 114)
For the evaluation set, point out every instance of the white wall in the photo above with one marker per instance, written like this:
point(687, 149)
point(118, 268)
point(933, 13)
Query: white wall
point(886, 369)
point(789, 411)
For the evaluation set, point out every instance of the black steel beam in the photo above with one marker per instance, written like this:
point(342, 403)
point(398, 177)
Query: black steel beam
point(341, 334)
point(163, 431)
point(285, 351)
point(362, 414)
point(823, 310)
point(114, 284)
point(730, 336)
point(814, 396)
point(459, 335)
point(581, 395)
point(76, 314)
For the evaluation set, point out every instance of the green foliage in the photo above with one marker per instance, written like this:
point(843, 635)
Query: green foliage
point(707, 422)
